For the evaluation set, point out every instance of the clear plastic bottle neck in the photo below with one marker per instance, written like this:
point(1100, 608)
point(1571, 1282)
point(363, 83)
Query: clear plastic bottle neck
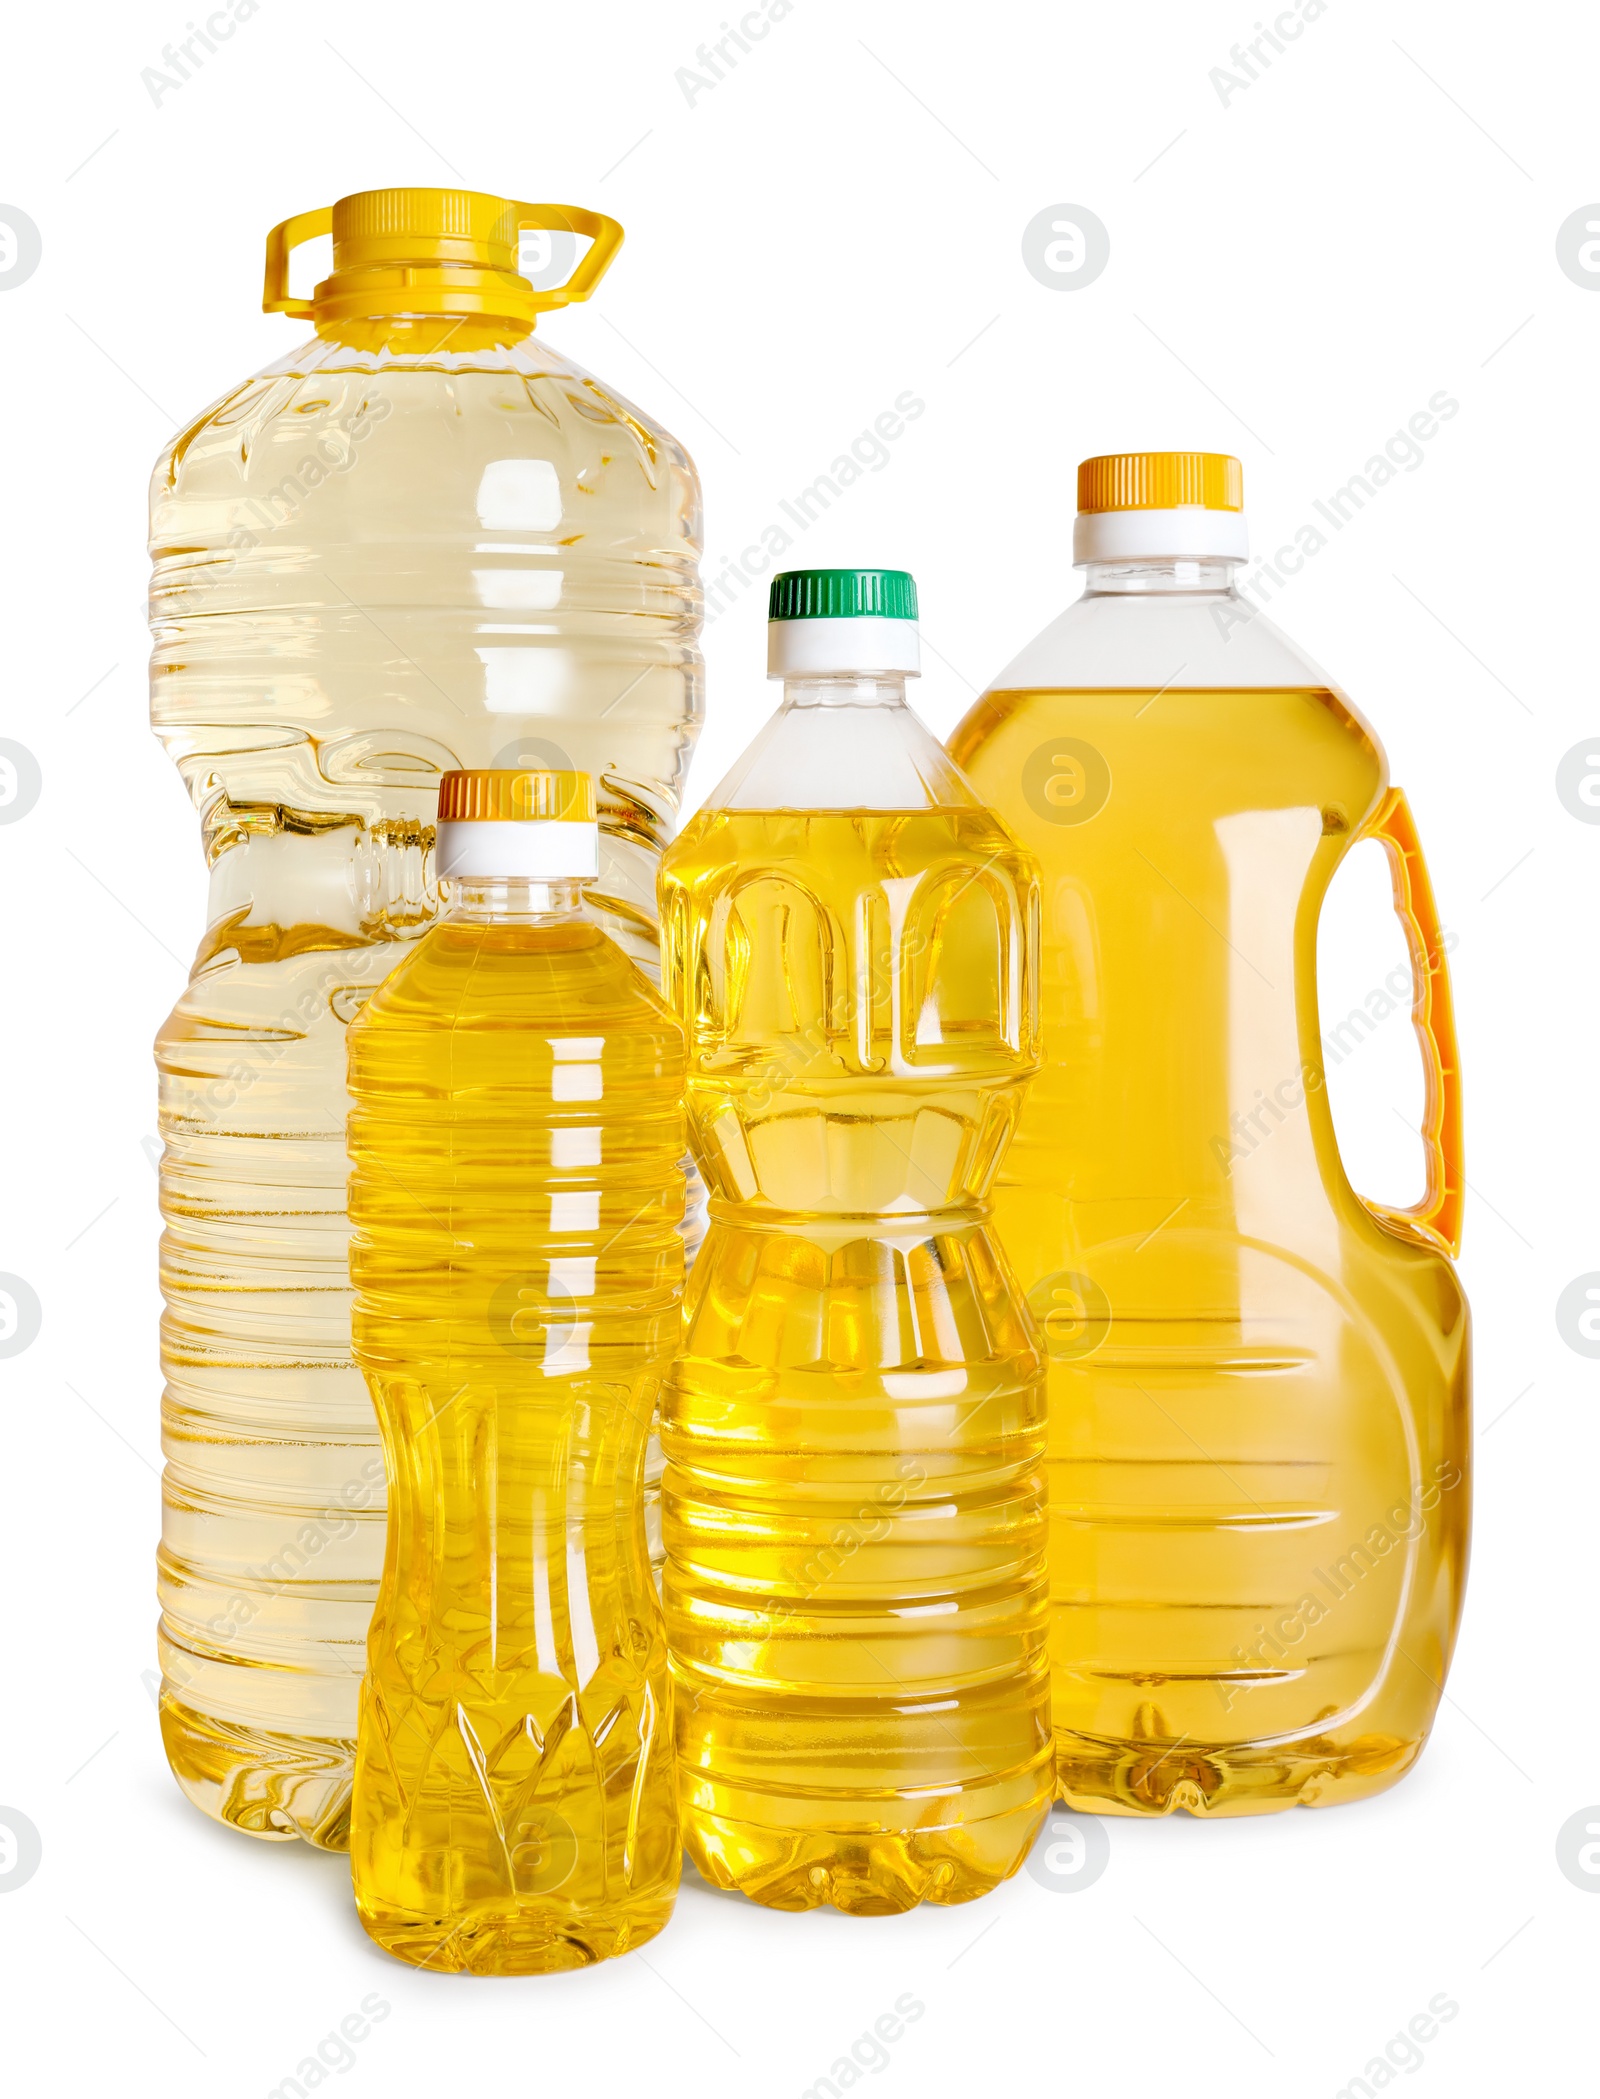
point(847, 689)
point(1164, 577)
point(513, 900)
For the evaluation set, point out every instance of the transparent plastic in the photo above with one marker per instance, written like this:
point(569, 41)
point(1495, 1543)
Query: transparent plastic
point(388, 555)
point(854, 1429)
point(1258, 1381)
point(515, 1134)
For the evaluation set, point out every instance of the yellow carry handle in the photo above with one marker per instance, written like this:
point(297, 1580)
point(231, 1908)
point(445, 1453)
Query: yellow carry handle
point(450, 252)
point(281, 244)
point(605, 238)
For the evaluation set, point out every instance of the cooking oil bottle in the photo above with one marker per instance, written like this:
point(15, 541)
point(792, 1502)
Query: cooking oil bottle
point(1258, 1381)
point(515, 1132)
point(854, 1428)
point(422, 540)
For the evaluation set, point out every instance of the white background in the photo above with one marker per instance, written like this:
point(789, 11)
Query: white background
point(1293, 273)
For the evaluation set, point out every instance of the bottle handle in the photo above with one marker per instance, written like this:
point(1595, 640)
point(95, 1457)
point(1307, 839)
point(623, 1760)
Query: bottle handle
point(604, 235)
point(605, 238)
point(1437, 1217)
point(281, 244)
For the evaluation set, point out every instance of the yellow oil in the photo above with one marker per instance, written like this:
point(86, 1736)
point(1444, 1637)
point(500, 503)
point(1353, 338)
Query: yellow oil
point(1258, 1389)
point(516, 1136)
point(375, 561)
point(854, 1429)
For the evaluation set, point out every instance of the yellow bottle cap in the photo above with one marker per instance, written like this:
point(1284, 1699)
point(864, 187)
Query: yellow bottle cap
point(1160, 481)
point(485, 796)
point(437, 267)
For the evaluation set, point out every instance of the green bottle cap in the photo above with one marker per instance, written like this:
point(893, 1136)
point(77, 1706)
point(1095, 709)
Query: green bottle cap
point(842, 593)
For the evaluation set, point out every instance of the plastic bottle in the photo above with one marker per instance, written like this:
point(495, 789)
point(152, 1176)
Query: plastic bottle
point(1258, 1381)
point(421, 540)
point(515, 1132)
point(854, 1428)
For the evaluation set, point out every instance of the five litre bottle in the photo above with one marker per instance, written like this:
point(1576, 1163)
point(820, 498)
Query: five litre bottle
point(417, 542)
point(854, 1429)
point(516, 1132)
point(1258, 1381)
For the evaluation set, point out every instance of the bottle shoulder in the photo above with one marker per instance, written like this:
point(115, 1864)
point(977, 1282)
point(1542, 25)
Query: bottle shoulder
point(503, 401)
point(1196, 692)
point(1074, 767)
point(843, 757)
point(560, 980)
point(1159, 638)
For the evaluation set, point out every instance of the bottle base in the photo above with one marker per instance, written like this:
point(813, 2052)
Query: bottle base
point(1107, 1777)
point(515, 1939)
point(279, 1787)
point(862, 1872)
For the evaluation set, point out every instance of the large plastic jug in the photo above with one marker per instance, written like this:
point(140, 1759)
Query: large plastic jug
point(516, 1135)
point(853, 1501)
point(1258, 1381)
point(422, 540)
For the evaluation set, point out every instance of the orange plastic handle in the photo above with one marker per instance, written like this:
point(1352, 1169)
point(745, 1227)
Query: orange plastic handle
point(1438, 1216)
point(605, 238)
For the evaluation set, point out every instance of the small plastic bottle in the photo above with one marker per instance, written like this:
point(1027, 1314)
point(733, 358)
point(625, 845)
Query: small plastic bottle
point(516, 1136)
